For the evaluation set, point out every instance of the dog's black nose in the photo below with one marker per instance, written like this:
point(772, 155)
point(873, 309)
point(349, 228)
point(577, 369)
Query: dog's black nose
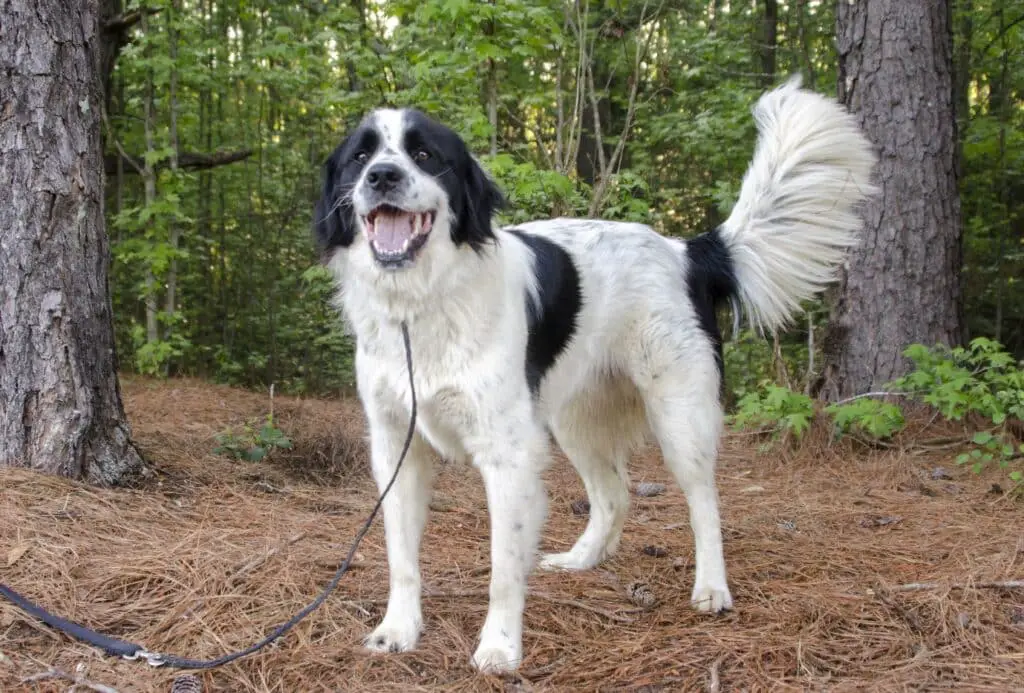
point(384, 177)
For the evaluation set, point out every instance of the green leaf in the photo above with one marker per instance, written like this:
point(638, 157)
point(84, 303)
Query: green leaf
point(982, 437)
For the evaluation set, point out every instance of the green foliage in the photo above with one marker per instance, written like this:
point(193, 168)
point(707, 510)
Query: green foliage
point(533, 192)
point(877, 419)
point(981, 378)
point(286, 81)
point(253, 443)
point(988, 448)
point(776, 407)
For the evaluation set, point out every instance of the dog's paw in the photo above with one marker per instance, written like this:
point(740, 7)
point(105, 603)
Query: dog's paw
point(570, 560)
point(711, 600)
point(497, 658)
point(393, 637)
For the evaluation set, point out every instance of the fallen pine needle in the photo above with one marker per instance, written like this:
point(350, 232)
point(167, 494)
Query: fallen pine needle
point(239, 575)
point(620, 616)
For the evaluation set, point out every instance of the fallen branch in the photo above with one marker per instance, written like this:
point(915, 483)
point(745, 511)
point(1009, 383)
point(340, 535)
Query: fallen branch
point(921, 586)
point(872, 394)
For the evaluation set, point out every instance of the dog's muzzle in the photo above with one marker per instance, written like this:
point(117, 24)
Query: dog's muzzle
point(397, 235)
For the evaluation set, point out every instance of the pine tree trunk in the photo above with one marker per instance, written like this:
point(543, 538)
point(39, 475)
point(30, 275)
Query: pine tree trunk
point(61, 409)
point(902, 284)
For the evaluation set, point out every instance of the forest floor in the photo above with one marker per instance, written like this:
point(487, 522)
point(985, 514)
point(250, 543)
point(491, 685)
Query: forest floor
point(823, 543)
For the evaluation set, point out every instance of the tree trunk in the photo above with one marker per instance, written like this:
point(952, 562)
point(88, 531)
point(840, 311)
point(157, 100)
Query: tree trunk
point(174, 230)
point(149, 179)
point(61, 409)
point(769, 38)
point(902, 284)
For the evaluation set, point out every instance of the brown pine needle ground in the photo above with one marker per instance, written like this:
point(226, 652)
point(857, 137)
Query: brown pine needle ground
point(820, 544)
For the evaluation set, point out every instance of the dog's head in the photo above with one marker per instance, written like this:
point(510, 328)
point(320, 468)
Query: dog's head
point(401, 188)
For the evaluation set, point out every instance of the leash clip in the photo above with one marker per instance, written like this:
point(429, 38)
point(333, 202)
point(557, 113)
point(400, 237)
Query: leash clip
point(153, 659)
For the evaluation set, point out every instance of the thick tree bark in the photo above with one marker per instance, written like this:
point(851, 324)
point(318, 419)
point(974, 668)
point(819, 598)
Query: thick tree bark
point(902, 284)
point(61, 410)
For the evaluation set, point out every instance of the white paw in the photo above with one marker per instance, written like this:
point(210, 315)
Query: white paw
point(570, 560)
point(393, 637)
point(711, 600)
point(497, 658)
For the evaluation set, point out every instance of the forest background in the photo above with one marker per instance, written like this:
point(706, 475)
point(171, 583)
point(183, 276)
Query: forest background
point(220, 113)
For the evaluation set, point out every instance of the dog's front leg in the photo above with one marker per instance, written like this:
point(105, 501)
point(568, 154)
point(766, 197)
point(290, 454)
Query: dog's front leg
point(405, 513)
point(517, 503)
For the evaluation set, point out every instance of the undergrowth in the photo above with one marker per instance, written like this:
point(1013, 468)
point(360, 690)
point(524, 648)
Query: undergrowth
point(255, 441)
point(980, 385)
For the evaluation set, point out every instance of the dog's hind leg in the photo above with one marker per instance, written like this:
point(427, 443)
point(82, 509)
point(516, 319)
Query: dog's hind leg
point(604, 475)
point(685, 414)
point(597, 433)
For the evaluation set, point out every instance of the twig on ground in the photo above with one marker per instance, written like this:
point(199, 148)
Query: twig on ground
point(872, 394)
point(239, 575)
point(714, 680)
point(921, 586)
point(76, 680)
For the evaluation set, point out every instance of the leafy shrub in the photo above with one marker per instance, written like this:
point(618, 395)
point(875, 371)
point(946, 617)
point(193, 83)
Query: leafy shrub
point(252, 444)
point(990, 448)
point(980, 379)
point(776, 407)
point(534, 193)
point(875, 418)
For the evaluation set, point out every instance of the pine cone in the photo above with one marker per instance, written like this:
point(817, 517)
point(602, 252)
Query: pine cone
point(187, 683)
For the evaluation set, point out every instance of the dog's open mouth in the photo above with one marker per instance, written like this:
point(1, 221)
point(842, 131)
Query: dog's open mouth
point(397, 235)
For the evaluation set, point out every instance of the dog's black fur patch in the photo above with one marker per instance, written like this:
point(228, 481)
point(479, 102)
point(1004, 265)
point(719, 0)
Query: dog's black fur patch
point(472, 195)
point(552, 322)
point(711, 280)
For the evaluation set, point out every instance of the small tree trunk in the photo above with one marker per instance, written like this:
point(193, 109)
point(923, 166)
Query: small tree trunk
point(149, 187)
point(768, 43)
point(61, 410)
point(171, 298)
point(902, 284)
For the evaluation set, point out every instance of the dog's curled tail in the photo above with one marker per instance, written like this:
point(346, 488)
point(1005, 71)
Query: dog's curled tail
point(796, 213)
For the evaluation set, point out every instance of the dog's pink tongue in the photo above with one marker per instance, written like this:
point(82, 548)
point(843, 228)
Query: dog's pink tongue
point(392, 232)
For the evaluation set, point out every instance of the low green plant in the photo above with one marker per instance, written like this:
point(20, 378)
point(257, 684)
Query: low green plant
point(992, 448)
point(981, 379)
point(871, 417)
point(254, 442)
point(777, 408)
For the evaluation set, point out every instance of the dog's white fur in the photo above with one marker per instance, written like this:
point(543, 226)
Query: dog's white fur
point(638, 362)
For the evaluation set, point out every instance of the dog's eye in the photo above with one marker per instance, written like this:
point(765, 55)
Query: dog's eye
point(420, 155)
point(361, 157)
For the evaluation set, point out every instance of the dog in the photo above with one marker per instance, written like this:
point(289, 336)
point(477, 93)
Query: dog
point(597, 334)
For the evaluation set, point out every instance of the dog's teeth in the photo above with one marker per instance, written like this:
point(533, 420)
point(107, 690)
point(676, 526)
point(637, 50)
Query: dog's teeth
point(417, 223)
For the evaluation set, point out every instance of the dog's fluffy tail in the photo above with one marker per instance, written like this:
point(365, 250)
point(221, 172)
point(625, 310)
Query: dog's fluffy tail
point(795, 217)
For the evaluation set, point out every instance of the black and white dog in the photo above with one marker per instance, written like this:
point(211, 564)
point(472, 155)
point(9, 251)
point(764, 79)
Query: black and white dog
point(596, 332)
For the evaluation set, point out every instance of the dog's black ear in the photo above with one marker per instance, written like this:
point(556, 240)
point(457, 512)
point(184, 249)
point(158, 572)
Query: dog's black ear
point(333, 223)
point(482, 198)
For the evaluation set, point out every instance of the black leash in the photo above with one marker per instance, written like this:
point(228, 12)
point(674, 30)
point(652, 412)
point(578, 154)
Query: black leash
point(133, 651)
